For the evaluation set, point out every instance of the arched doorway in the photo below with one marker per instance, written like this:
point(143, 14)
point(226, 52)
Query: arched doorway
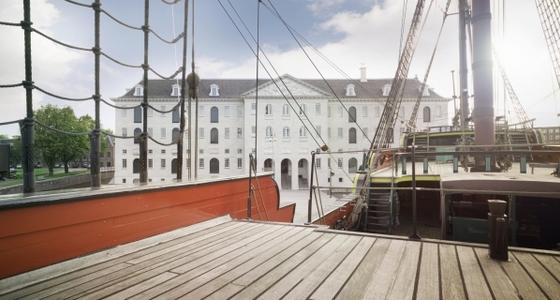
point(268, 165)
point(303, 173)
point(286, 174)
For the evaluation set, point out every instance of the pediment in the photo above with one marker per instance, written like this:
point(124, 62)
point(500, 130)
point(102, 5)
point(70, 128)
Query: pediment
point(298, 89)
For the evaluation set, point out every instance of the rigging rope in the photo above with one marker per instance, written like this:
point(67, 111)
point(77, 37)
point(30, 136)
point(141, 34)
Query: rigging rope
point(11, 85)
point(11, 24)
point(161, 143)
point(59, 42)
point(78, 3)
point(62, 97)
point(257, 79)
point(10, 122)
point(61, 131)
point(161, 111)
point(119, 107)
point(170, 2)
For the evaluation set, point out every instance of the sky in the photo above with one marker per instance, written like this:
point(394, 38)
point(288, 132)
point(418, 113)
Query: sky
point(350, 33)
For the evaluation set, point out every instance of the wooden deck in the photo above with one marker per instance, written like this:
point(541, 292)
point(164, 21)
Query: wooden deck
point(241, 260)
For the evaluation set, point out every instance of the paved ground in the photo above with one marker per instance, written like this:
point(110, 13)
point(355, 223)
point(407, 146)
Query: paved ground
point(301, 198)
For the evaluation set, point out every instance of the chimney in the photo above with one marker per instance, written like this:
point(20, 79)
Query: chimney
point(363, 73)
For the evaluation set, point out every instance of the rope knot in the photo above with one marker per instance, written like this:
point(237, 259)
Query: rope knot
point(96, 6)
point(26, 25)
point(145, 28)
point(28, 84)
point(96, 50)
point(145, 66)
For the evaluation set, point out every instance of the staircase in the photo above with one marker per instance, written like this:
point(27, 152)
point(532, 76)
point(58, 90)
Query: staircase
point(380, 210)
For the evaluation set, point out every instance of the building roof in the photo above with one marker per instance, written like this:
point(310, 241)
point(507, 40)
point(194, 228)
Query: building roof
point(234, 88)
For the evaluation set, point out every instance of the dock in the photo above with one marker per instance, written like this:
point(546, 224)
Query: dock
point(234, 259)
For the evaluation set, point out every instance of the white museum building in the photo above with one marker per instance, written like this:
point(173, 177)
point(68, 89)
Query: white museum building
point(226, 121)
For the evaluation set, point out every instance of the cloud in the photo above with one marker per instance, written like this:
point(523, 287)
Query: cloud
point(318, 6)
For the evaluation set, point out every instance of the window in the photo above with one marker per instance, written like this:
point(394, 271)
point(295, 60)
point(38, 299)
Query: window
point(214, 166)
point(302, 132)
point(174, 166)
point(386, 89)
point(137, 133)
point(162, 163)
point(214, 115)
point(340, 163)
point(350, 90)
point(124, 133)
point(302, 109)
point(150, 163)
point(285, 110)
point(318, 163)
point(268, 165)
point(329, 111)
point(136, 166)
point(352, 135)
point(268, 132)
point(201, 151)
point(329, 132)
point(364, 111)
point(240, 151)
point(240, 163)
point(162, 151)
point(138, 91)
point(124, 163)
point(239, 133)
point(427, 114)
point(352, 165)
point(175, 135)
point(226, 133)
point(200, 133)
point(329, 163)
point(163, 132)
point(138, 114)
point(340, 179)
point(226, 163)
point(175, 90)
point(176, 115)
point(150, 131)
point(253, 108)
point(268, 110)
point(213, 136)
point(124, 180)
point(318, 109)
point(201, 163)
point(124, 151)
point(214, 90)
point(340, 133)
point(352, 114)
point(286, 132)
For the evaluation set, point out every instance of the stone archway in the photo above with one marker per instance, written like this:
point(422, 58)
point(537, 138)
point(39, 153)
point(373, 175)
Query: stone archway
point(286, 174)
point(303, 174)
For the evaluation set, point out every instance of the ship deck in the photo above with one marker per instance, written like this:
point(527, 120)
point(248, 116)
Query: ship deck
point(223, 258)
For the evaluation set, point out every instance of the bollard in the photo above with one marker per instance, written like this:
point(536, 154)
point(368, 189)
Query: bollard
point(497, 230)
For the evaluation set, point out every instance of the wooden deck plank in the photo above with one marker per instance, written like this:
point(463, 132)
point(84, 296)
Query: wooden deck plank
point(525, 285)
point(386, 273)
point(183, 283)
point(428, 278)
point(356, 285)
point(451, 281)
point(198, 258)
point(500, 284)
point(156, 266)
point(142, 286)
point(308, 276)
point(473, 278)
point(218, 288)
point(550, 263)
point(330, 287)
point(403, 286)
point(98, 268)
point(256, 283)
point(541, 276)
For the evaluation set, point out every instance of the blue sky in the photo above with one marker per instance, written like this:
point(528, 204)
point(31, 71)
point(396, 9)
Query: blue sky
point(349, 32)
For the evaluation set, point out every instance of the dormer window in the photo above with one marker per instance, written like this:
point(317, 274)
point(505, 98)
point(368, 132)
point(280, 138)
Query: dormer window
point(138, 91)
point(350, 91)
point(386, 89)
point(214, 90)
point(175, 90)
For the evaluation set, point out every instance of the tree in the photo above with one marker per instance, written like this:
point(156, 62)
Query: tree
point(56, 147)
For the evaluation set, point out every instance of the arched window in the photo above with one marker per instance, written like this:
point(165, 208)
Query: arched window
point(268, 165)
point(268, 109)
point(352, 114)
point(175, 135)
point(214, 115)
point(352, 135)
point(302, 132)
point(174, 166)
point(137, 133)
point(286, 110)
point(214, 166)
point(286, 132)
point(352, 165)
point(269, 131)
point(138, 114)
point(213, 136)
point(427, 114)
point(136, 166)
point(350, 90)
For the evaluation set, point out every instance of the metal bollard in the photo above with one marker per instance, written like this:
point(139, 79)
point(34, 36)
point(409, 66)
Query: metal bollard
point(498, 230)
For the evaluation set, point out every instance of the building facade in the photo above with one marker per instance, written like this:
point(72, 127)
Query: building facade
point(550, 135)
point(287, 131)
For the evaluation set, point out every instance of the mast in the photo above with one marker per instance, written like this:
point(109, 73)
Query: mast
point(483, 113)
point(463, 69)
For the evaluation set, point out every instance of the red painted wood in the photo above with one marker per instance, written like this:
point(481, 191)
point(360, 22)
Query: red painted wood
point(44, 234)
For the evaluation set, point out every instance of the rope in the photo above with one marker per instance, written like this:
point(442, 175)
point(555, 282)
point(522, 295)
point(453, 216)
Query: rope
point(117, 136)
point(165, 111)
point(403, 23)
point(257, 79)
point(277, 13)
point(62, 97)
point(173, 41)
point(10, 23)
point(119, 107)
point(168, 77)
point(11, 85)
point(59, 42)
point(119, 21)
point(161, 143)
point(78, 3)
point(61, 131)
point(120, 62)
point(170, 2)
point(10, 122)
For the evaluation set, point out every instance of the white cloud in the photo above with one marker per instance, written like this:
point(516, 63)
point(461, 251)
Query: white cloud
point(318, 6)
